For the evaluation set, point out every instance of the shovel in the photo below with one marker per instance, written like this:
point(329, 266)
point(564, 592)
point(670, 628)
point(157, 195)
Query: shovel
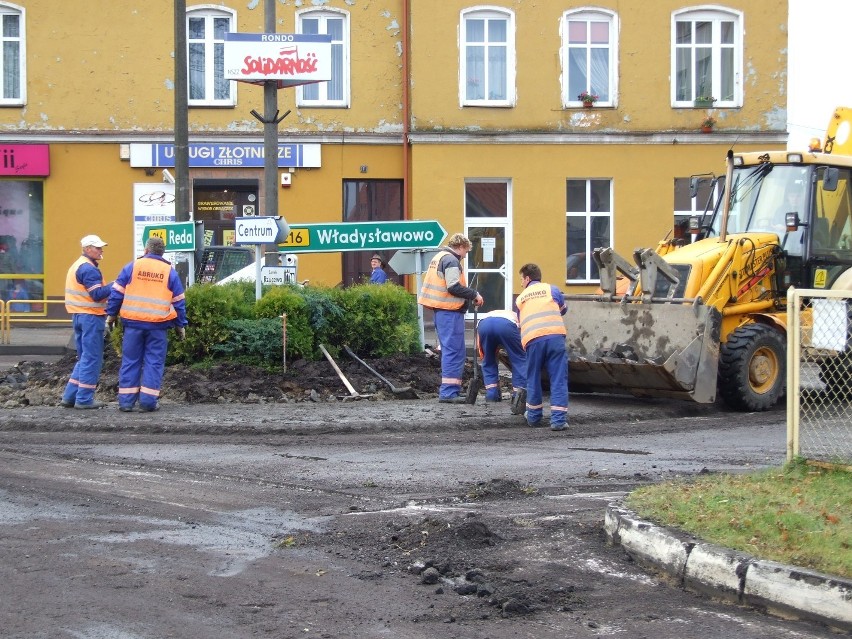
point(406, 392)
point(353, 394)
point(476, 383)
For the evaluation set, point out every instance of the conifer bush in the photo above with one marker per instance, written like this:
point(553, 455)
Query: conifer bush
point(226, 322)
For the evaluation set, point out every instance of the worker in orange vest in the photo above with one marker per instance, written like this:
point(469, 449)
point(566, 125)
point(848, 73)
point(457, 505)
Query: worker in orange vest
point(149, 297)
point(540, 308)
point(86, 295)
point(446, 292)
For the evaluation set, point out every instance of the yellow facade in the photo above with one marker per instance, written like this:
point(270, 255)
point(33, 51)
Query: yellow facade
point(101, 81)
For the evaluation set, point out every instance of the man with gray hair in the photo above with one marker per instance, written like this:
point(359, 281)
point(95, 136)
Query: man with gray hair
point(148, 295)
point(86, 295)
point(446, 292)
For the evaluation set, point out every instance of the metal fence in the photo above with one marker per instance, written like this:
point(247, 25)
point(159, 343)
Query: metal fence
point(819, 376)
point(35, 315)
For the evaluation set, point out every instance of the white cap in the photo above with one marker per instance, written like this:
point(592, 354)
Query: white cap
point(92, 240)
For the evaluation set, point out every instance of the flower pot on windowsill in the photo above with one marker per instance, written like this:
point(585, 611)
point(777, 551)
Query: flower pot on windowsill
point(703, 104)
point(588, 105)
point(707, 129)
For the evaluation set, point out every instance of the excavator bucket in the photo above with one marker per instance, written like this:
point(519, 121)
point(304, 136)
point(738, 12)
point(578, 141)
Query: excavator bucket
point(643, 349)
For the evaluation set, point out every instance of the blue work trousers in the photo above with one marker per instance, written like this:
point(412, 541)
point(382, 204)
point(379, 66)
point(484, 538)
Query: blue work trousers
point(495, 332)
point(547, 353)
point(89, 338)
point(143, 361)
point(450, 328)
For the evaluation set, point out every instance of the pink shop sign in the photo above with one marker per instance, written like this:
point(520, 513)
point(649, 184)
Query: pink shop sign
point(25, 159)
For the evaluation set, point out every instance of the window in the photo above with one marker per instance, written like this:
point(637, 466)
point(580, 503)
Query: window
point(335, 92)
point(205, 34)
point(589, 226)
point(588, 56)
point(487, 58)
point(22, 244)
point(12, 55)
point(708, 191)
point(369, 201)
point(707, 57)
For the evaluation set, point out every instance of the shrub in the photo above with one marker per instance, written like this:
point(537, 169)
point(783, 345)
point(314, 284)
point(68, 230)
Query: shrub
point(227, 322)
point(278, 300)
point(209, 307)
point(252, 341)
point(381, 320)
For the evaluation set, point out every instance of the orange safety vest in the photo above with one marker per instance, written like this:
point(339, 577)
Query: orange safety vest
point(434, 292)
point(539, 313)
point(77, 298)
point(147, 297)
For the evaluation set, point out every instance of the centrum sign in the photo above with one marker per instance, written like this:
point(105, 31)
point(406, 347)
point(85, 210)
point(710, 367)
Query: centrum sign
point(260, 230)
point(362, 236)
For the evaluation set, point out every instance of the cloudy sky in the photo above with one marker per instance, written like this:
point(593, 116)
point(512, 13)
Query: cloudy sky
point(819, 53)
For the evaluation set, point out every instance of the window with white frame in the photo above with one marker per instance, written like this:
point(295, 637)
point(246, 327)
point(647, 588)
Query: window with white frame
point(205, 35)
point(707, 57)
point(589, 54)
point(12, 55)
point(487, 62)
point(588, 206)
point(335, 92)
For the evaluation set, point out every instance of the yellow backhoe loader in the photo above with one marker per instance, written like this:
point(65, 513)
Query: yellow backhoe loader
point(710, 316)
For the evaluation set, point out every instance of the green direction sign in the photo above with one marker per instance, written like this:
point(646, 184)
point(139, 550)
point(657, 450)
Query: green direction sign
point(362, 236)
point(178, 236)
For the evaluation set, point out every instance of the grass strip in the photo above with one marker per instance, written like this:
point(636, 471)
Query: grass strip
point(797, 514)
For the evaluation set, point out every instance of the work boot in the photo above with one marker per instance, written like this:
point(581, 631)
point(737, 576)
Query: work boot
point(457, 399)
point(94, 405)
point(126, 409)
point(67, 403)
point(149, 409)
point(519, 402)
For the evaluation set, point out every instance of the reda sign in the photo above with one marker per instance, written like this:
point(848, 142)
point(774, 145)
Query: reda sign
point(290, 59)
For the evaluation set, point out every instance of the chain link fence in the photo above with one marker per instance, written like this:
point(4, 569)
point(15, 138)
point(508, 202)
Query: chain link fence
point(819, 376)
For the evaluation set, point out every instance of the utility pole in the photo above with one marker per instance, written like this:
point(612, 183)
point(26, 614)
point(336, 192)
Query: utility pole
point(181, 116)
point(271, 120)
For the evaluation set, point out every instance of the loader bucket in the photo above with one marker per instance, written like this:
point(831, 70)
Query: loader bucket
point(643, 349)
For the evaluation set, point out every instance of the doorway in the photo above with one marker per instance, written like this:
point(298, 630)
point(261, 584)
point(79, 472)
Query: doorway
point(487, 226)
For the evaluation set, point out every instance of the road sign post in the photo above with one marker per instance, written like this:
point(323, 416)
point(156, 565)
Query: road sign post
point(179, 237)
point(260, 230)
point(414, 261)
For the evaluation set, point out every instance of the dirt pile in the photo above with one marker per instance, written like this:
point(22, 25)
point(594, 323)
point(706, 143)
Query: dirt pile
point(41, 383)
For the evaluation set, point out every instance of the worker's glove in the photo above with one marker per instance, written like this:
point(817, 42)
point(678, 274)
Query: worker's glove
point(181, 333)
point(110, 323)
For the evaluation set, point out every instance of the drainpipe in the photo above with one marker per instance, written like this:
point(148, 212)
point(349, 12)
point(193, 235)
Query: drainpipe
point(406, 113)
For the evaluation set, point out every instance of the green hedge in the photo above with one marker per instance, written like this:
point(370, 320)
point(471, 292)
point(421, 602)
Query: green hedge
point(226, 322)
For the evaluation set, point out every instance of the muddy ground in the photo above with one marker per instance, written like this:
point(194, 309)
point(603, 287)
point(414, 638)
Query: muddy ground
point(37, 383)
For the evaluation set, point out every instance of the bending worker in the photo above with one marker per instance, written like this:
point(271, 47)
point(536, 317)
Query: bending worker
point(86, 296)
point(500, 328)
point(148, 294)
point(540, 308)
point(445, 291)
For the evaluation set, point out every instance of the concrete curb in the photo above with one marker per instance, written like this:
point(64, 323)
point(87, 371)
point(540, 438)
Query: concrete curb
point(777, 589)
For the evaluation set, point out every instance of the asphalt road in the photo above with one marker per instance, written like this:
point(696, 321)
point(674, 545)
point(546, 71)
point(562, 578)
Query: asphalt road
point(369, 519)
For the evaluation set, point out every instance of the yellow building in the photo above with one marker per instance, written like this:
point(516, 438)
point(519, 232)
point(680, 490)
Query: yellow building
point(464, 113)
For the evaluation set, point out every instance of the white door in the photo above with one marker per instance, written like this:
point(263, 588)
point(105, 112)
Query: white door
point(488, 226)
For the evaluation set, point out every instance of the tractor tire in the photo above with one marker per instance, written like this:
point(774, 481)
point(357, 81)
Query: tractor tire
point(752, 368)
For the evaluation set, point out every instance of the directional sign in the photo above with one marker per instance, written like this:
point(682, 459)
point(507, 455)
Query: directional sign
point(260, 230)
point(178, 236)
point(362, 236)
point(278, 275)
point(412, 261)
